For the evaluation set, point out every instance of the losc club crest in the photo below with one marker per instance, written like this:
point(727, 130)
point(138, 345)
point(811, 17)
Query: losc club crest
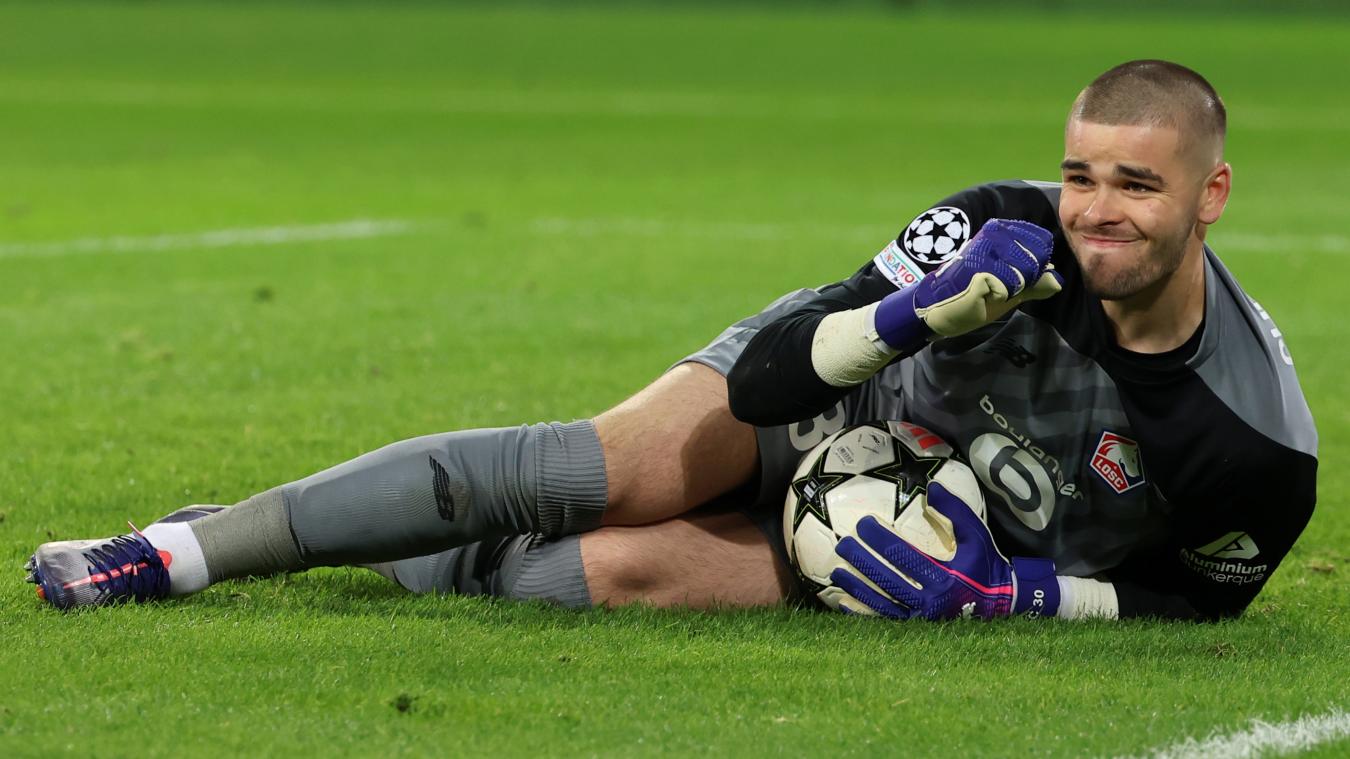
point(1117, 461)
point(937, 234)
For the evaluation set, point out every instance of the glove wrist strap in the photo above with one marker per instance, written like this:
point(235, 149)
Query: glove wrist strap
point(1036, 587)
point(898, 325)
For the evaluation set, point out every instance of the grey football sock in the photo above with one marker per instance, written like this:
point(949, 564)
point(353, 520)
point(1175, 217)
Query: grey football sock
point(250, 538)
point(416, 497)
point(552, 571)
point(520, 567)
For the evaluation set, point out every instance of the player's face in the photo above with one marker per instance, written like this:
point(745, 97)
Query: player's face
point(1130, 206)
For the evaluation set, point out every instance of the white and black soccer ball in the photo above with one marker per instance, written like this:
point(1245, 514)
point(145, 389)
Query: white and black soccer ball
point(936, 234)
point(879, 469)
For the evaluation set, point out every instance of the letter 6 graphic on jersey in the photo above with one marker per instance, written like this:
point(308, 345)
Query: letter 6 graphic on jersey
point(1117, 461)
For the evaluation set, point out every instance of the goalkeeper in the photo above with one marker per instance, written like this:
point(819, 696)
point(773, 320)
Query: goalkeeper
point(1133, 415)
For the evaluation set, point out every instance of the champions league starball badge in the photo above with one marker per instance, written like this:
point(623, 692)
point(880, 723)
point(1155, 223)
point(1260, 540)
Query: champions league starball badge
point(937, 234)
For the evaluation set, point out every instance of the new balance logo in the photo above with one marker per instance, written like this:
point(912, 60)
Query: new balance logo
point(440, 485)
point(1234, 545)
point(1012, 350)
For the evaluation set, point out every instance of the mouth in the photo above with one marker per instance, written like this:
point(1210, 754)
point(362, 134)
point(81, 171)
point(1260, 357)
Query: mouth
point(1108, 243)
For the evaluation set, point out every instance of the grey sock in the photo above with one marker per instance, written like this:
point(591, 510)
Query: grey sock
point(570, 471)
point(552, 571)
point(252, 537)
point(419, 497)
point(520, 567)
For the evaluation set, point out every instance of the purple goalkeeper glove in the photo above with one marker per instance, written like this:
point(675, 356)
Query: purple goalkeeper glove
point(976, 582)
point(1006, 263)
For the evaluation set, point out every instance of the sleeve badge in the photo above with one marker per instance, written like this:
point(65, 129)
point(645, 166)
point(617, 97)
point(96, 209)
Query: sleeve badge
point(936, 234)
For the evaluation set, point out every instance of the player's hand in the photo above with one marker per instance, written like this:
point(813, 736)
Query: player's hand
point(1004, 265)
point(977, 582)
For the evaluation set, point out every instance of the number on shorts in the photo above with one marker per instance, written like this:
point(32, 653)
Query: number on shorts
point(808, 433)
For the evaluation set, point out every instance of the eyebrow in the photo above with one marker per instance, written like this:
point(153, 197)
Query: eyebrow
point(1138, 172)
point(1133, 172)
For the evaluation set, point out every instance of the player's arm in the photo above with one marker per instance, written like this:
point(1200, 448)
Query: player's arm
point(1224, 552)
point(890, 577)
point(801, 364)
point(1220, 556)
point(773, 380)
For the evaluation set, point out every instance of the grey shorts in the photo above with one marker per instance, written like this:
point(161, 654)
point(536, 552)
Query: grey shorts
point(780, 448)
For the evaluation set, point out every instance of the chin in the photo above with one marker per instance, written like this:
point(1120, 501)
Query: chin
point(1107, 279)
point(1110, 274)
point(1116, 283)
point(1110, 291)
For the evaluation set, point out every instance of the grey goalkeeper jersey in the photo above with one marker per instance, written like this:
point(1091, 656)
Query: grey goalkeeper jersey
point(1184, 478)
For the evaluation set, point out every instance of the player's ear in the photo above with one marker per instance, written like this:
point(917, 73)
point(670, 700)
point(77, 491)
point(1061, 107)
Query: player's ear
point(1214, 194)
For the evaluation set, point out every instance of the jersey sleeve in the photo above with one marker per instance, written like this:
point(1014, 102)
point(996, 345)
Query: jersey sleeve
point(1223, 552)
point(774, 381)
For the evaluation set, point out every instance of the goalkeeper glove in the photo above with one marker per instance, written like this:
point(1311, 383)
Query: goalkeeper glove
point(976, 582)
point(1006, 263)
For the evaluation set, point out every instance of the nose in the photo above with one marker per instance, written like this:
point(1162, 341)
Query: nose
point(1103, 209)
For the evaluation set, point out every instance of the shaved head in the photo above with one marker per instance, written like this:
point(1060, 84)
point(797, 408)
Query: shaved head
point(1159, 94)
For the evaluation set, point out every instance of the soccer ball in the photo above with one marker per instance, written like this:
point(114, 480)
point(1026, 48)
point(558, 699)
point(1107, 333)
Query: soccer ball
point(880, 469)
point(937, 234)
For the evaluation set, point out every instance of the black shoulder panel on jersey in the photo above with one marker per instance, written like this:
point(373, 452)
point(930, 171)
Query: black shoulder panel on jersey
point(774, 381)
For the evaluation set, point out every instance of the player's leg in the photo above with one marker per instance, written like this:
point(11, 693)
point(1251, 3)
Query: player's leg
point(668, 448)
point(423, 495)
point(726, 552)
point(435, 492)
point(698, 560)
point(673, 446)
point(519, 566)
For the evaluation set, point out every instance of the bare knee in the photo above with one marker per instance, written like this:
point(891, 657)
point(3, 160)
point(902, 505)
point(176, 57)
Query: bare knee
point(699, 562)
point(616, 571)
point(673, 446)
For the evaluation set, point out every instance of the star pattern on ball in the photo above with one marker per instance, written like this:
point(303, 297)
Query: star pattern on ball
point(909, 473)
point(810, 491)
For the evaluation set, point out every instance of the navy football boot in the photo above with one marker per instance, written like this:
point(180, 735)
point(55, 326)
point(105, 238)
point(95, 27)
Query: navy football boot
point(74, 573)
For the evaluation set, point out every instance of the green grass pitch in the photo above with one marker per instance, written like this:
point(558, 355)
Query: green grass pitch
point(558, 204)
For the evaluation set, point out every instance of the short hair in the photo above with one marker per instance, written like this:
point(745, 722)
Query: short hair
point(1156, 93)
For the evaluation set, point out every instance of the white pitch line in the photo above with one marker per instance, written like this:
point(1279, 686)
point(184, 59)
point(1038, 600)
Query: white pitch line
point(1264, 739)
point(353, 229)
point(368, 228)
